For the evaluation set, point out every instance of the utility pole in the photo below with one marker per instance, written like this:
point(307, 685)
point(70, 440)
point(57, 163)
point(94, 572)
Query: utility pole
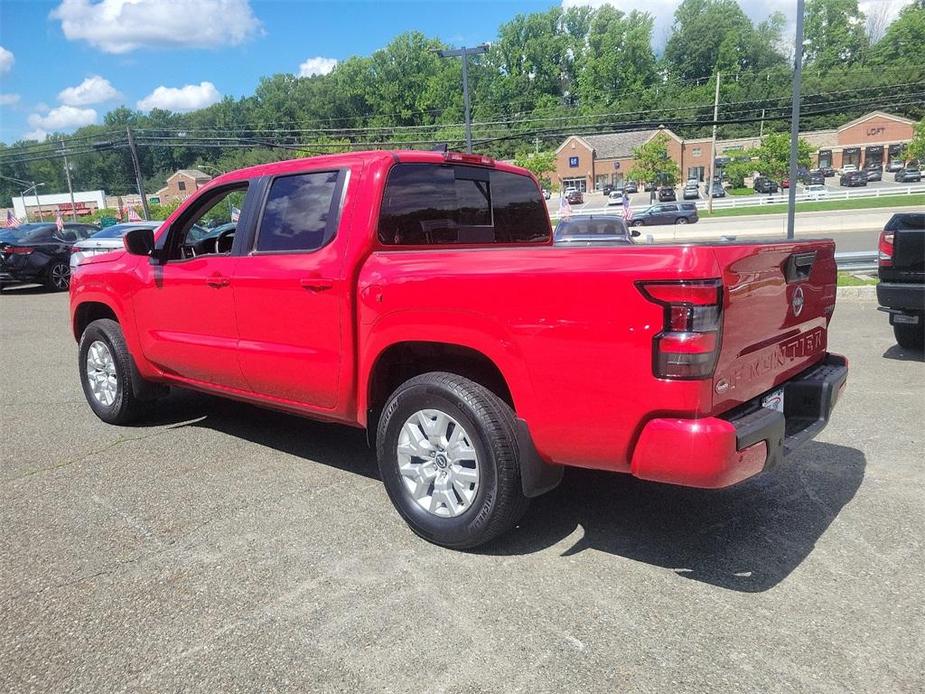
point(70, 188)
point(795, 120)
point(464, 53)
point(139, 181)
point(761, 129)
point(536, 145)
point(713, 146)
point(35, 189)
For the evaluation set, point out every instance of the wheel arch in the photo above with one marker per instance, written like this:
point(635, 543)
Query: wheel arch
point(88, 311)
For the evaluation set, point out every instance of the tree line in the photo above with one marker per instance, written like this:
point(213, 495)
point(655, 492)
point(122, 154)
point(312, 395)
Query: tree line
point(546, 75)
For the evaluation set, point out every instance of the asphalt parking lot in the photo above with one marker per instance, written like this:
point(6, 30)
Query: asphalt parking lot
point(221, 547)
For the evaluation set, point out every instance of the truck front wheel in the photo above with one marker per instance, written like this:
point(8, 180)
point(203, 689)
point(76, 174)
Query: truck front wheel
point(449, 460)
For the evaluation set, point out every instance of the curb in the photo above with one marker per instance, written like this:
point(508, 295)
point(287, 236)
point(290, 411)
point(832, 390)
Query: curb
point(868, 291)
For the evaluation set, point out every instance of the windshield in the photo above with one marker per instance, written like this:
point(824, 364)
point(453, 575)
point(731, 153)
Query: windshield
point(117, 231)
point(603, 228)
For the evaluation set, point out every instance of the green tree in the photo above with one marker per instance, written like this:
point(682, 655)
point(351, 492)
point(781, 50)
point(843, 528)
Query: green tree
point(653, 164)
point(772, 157)
point(904, 37)
point(538, 163)
point(916, 148)
point(835, 33)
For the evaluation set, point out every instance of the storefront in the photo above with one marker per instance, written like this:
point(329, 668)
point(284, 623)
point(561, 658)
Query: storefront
point(851, 156)
point(825, 159)
point(577, 183)
point(873, 157)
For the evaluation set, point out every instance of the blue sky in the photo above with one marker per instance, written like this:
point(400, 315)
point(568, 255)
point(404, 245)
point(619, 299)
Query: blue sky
point(249, 39)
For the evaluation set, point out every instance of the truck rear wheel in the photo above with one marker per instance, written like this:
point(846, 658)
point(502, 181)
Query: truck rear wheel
point(106, 374)
point(910, 336)
point(449, 460)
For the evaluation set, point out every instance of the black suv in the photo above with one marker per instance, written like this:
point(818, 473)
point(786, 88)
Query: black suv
point(40, 254)
point(901, 291)
point(666, 213)
point(852, 179)
point(763, 184)
point(666, 194)
point(908, 174)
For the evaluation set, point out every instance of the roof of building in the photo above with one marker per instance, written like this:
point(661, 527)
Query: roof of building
point(192, 173)
point(618, 145)
point(875, 114)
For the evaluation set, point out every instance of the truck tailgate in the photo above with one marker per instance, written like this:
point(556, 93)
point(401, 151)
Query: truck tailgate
point(779, 298)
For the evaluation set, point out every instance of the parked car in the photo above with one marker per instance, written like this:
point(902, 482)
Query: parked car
point(666, 213)
point(607, 189)
point(349, 296)
point(615, 198)
point(718, 190)
point(38, 253)
point(574, 196)
point(691, 191)
point(547, 194)
point(593, 230)
point(894, 166)
point(649, 187)
point(817, 191)
point(763, 184)
point(874, 174)
point(827, 171)
point(105, 241)
point(814, 178)
point(908, 174)
point(785, 183)
point(631, 187)
point(848, 168)
point(853, 179)
point(901, 291)
point(666, 194)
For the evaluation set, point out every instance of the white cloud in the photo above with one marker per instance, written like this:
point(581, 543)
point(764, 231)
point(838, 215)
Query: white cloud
point(6, 60)
point(757, 10)
point(317, 66)
point(9, 99)
point(92, 90)
point(120, 26)
point(62, 118)
point(37, 134)
point(186, 98)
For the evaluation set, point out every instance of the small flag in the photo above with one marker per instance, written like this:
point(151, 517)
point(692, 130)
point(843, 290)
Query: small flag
point(133, 215)
point(627, 212)
point(59, 221)
point(565, 209)
point(11, 221)
point(235, 214)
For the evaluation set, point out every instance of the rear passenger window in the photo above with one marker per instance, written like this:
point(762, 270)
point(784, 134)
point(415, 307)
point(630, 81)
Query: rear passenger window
point(300, 213)
point(426, 204)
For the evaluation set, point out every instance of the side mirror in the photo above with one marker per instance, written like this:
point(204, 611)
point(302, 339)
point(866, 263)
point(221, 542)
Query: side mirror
point(139, 241)
point(635, 233)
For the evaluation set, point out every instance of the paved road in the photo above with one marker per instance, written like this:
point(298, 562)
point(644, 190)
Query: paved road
point(226, 548)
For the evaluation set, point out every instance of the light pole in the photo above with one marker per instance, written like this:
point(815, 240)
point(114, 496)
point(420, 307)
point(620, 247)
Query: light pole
point(795, 121)
point(464, 53)
point(35, 189)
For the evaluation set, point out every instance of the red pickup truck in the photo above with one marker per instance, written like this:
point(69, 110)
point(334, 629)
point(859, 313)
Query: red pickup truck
point(418, 295)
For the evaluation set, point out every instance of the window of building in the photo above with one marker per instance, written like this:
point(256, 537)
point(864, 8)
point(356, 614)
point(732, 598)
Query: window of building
point(181, 185)
point(300, 213)
point(427, 204)
point(696, 151)
point(695, 173)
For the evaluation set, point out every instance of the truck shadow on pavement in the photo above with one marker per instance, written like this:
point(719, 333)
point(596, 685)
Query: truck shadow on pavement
point(746, 538)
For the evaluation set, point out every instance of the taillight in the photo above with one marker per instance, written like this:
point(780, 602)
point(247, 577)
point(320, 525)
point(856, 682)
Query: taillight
point(19, 250)
point(885, 249)
point(469, 158)
point(688, 345)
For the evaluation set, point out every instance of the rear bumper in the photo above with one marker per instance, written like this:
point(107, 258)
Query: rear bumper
point(715, 452)
point(901, 295)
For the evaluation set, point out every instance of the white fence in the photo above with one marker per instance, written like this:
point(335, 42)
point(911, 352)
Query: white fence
point(783, 196)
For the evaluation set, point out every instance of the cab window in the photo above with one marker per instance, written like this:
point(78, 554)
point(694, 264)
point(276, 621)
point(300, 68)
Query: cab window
point(208, 228)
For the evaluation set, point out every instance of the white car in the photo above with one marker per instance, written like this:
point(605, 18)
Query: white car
point(815, 192)
point(848, 167)
point(106, 240)
point(615, 198)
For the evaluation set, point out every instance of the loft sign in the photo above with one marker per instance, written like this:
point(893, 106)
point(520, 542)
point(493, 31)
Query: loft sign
point(876, 131)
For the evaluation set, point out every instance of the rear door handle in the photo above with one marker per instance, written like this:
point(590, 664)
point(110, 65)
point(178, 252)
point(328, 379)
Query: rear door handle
point(218, 281)
point(316, 284)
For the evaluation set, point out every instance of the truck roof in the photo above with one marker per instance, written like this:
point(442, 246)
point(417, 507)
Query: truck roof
point(365, 157)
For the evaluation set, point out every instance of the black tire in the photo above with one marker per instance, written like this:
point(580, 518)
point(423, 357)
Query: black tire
point(126, 406)
point(681, 220)
point(58, 277)
point(910, 336)
point(499, 501)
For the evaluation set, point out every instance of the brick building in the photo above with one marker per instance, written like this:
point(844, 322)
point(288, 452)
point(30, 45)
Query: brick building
point(588, 162)
point(182, 184)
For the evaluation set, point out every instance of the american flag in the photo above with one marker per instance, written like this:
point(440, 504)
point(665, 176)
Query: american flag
point(59, 221)
point(11, 221)
point(133, 215)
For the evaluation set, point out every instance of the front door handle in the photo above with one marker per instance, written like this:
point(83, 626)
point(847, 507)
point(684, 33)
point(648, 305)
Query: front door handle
point(218, 281)
point(316, 284)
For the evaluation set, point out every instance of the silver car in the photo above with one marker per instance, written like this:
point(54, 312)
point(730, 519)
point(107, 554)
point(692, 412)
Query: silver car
point(106, 240)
